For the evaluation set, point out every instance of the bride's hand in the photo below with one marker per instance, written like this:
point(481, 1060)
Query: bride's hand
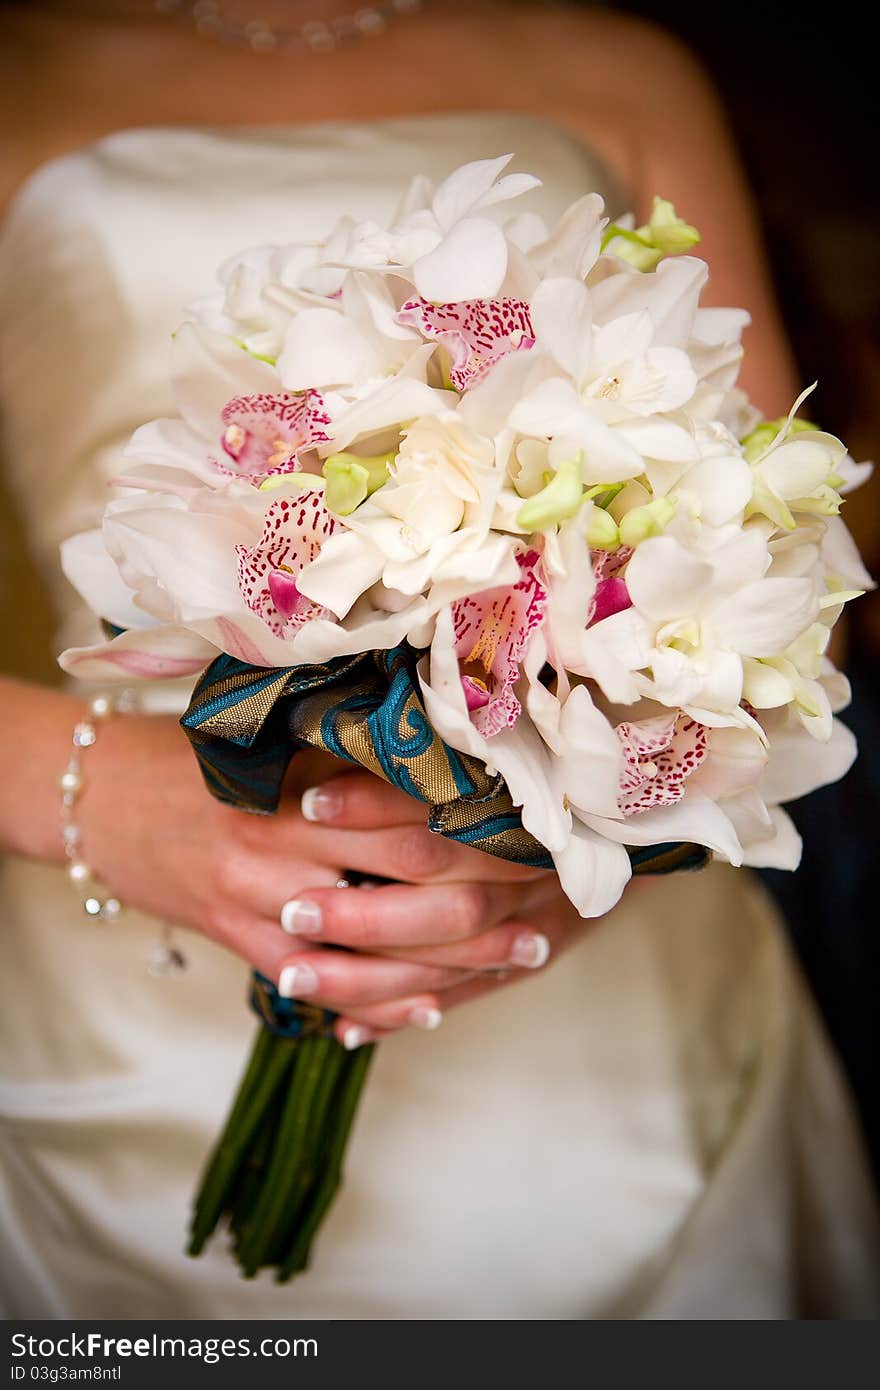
point(166, 847)
point(475, 921)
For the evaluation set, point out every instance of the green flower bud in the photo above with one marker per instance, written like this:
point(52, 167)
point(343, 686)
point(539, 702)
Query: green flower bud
point(763, 435)
point(665, 234)
point(346, 485)
point(632, 247)
point(560, 499)
point(602, 532)
point(667, 231)
point(352, 478)
point(650, 520)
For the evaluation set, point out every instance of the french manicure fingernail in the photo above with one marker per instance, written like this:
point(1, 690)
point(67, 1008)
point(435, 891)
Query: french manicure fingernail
point(321, 804)
point(355, 1036)
point(530, 950)
point(295, 981)
point(301, 918)
point(428, 1019)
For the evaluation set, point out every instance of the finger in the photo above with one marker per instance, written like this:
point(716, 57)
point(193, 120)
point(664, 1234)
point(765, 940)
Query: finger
point(400, 916)
point(469, 990)
point(353, 1035)
point(361, 801)
point(334, 979)
point(413, 854)
point(512, 945)
point(341, 981)
point(416, 1011)
point(397, 1013)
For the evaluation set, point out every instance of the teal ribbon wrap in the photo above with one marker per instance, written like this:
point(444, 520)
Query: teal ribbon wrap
point(246, 723)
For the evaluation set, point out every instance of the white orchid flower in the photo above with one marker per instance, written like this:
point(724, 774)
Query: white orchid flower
point(713, 493)
point(441, 241)
point(707, 613)
point(350, 344)
point(597, 395)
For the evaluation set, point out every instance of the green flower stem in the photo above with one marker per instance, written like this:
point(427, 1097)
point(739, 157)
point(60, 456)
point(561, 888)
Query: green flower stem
point(279, 1186)
point(270, 1061)
point(247, 1087)
point(244, 1192)
point(344, 1103)
point(321, 1124)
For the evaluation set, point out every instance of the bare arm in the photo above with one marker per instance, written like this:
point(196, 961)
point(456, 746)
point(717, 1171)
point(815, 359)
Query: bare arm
point(35, 733)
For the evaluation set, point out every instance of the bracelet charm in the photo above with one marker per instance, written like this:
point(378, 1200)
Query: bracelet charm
point(97, 904)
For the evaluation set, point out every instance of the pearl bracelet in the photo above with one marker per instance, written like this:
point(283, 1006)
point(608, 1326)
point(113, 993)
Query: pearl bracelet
point(85, 734)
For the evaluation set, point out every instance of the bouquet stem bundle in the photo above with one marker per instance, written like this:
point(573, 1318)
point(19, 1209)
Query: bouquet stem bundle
point(278, 1163)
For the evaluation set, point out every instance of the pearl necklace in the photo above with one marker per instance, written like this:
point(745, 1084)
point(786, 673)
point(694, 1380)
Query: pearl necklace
point(317, 36)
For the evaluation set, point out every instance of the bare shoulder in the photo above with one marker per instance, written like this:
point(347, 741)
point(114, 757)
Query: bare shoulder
point(623, 54)
point(622, 84)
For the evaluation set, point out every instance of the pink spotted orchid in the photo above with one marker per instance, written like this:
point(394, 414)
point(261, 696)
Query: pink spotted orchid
point(263, 436)
point(492, 631)
point(476, 334)
point(658, 757)
point(294, 531)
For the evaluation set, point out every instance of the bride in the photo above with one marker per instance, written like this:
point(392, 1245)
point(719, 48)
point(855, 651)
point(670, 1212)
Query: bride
point(651, 1127)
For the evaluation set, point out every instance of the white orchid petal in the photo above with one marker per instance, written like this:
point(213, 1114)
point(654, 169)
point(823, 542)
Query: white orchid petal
point(796, 468)
point(573, 245)
point(394, 403)
point(173, 445)
point(524, 762)
point(94, 575)
point(189, 558)
point(762, 618)
point(665, 581)
point(561, 317)
point(469, 263)
point(346, 567)
point(208, 370)
point(735, 762)
point(763, 686)
point(723, 486)
point(659, 439)
point(324, 348)
point(507, 188)
point(592, 870)
point(798, 764)
point(670, 295)
point(155, 653)
point(841, 557)
point(611, 651)
point(781, 850)
point(695, 818)
point(466, 188)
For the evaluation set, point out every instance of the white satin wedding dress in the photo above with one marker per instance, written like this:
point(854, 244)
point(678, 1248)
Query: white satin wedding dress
point(653, 1127)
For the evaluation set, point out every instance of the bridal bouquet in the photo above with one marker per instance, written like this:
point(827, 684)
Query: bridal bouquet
point(476, 504)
